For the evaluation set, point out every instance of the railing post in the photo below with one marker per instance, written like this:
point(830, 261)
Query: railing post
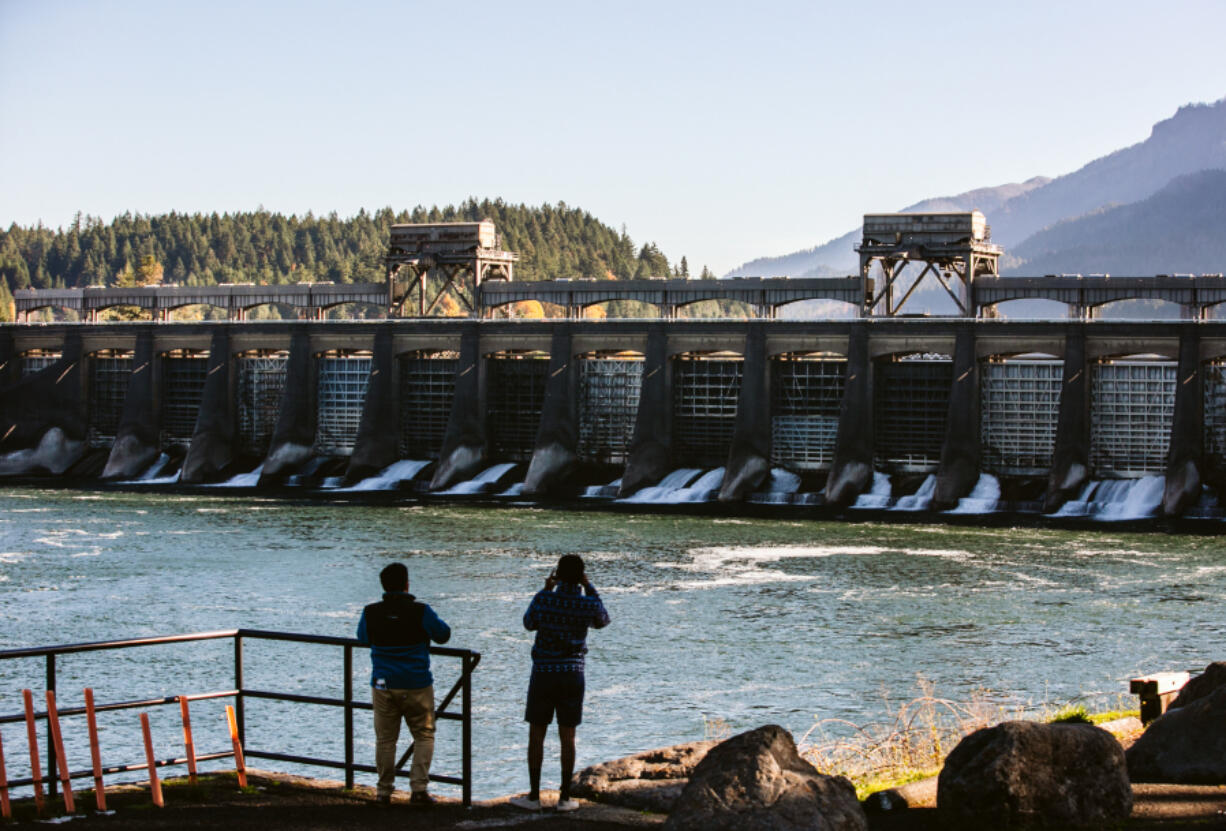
point(52, 773)
point(239, 710)
point(467, 738)
point(348, 716)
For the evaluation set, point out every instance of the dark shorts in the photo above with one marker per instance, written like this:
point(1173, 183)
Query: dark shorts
point(550, 691)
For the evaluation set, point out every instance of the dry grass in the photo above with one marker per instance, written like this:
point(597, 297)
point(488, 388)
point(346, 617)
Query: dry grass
point(912, 739)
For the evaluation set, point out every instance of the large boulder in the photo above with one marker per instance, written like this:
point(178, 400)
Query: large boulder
point(1186, 745)
point(1202, 685)
point(1023, 774)
point(757, 781)
point(649, 781)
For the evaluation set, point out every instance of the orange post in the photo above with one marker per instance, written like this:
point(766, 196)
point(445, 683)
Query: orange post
point(187, 739)
point(61, 761)
point(95, 754)
point(239, 765)
point(36, 769)
point(5, 811)
point(155, 787)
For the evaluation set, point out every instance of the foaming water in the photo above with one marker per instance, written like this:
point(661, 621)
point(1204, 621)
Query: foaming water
point(150, 476)
point(243, 480)
point(674, 481)
point(984, 498)
point(1115, 500)
point(391, 476)
point(486, 481)
point(878, 495)
point(920, 500)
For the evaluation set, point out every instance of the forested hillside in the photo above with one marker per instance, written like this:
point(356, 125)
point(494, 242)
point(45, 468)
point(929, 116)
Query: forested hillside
point(262, 247)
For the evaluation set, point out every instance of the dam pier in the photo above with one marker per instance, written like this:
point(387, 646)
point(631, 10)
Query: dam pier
point(1043, 407)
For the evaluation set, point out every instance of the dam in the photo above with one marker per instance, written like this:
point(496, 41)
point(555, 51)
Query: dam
point(559, 406)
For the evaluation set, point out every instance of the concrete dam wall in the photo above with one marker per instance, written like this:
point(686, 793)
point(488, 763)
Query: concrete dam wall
point(558, 404)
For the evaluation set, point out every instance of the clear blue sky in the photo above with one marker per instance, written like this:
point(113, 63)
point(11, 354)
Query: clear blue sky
point(722, 131)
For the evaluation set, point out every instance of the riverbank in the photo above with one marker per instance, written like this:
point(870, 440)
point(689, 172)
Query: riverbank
point(279, 802)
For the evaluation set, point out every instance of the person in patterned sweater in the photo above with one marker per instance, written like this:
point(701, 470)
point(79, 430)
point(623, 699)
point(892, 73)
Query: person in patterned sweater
point(560, 614)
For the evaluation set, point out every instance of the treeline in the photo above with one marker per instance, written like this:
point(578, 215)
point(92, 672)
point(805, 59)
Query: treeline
point(262, 247)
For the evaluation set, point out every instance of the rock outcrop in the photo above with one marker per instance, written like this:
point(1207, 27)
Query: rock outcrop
point(649, 781)
point(757, 781)
point(1202, 685)
point(1023, 774)
point(1186, 745)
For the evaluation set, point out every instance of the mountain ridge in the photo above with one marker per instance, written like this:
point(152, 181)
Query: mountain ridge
point(1191, 140)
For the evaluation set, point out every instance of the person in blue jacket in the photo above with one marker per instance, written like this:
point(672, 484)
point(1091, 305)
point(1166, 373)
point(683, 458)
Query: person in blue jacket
point(560, 614)
point(398, 630)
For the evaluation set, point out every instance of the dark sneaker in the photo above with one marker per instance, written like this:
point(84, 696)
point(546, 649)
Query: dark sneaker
point(383, 800)
point(422, 799)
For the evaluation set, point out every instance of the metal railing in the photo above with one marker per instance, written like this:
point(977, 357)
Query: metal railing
point(240, 693)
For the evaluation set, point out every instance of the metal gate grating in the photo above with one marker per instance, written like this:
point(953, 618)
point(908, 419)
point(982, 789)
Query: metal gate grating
point(515, 397)
point(259, 388)
point(1018, 415)
point(1132, 404)
point(1215, 414)
point(341, 393)
point(108, 387)
point(609, 392)
point(182, 392)
point(705, 393)
point(911, 405)
point(37, 361)
point(806, 394)
point(427, 388)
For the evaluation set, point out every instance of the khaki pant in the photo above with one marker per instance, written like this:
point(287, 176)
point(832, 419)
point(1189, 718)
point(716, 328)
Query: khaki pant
point(416, 707)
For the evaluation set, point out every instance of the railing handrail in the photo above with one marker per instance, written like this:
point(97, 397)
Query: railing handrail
point(259, 634)
point(463, 686)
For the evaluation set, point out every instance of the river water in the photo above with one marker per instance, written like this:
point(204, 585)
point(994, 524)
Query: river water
point(718, 624)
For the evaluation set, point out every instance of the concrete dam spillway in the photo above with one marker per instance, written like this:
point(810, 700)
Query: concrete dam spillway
point(908, 413)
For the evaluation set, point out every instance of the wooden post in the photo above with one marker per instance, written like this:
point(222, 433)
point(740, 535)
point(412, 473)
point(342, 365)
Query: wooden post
point(187, 739)
point(61, 761)
point(36, 770)
point(95, 754)
point(240, 766)
point(5, 811)
point(155, 787)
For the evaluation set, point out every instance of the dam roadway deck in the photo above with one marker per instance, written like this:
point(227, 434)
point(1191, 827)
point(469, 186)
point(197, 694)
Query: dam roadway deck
point(1064, 400)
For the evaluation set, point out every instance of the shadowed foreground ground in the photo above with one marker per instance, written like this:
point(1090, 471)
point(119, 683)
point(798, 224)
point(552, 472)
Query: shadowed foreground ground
point(278, 801)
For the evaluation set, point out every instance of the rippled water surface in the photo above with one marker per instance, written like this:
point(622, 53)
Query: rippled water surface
point(734, 621)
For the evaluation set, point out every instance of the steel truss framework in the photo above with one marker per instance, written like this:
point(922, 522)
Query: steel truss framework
point(609, 390)
point(258, 390)
point(806, 394)
point(515, 398)
point(1132, 404)
point(911, 405)
point(427, 387)
point(109, 374)
point(183, 376)
point(340, 395)
point(705, 393)
point(1019, 412)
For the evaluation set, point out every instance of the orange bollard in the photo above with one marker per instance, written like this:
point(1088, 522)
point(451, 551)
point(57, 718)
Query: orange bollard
point(187, 739)
point(61, 761)
point(95, 754)
point(155, 787)
point(5, 811)
point(36, 769)
point(239, 765)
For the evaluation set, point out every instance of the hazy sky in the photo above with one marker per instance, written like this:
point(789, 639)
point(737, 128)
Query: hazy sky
point(722, 131)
